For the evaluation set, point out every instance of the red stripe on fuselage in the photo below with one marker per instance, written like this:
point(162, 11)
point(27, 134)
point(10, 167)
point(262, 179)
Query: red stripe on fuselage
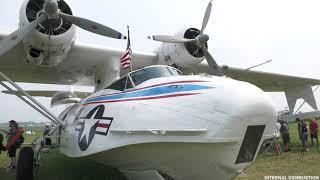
point(144, 98)
point(132, 90)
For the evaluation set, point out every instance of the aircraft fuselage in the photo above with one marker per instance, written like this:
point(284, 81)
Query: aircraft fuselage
point(190, 127)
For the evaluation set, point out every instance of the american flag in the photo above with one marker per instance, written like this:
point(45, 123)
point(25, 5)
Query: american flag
point(126, 57)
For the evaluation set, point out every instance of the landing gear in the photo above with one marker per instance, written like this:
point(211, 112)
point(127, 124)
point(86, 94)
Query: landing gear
point(25, 164)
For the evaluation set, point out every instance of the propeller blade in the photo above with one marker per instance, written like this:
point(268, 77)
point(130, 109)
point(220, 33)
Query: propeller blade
point(170, 39)
point(206, 17)
point(92, 26)
point(17, 36)
point(212, 63)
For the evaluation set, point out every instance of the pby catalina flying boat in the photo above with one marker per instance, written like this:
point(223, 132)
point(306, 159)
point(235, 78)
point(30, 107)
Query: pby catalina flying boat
point(153, 122)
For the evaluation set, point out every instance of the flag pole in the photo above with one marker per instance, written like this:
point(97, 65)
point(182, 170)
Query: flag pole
point(129, 44)
point(125, 59)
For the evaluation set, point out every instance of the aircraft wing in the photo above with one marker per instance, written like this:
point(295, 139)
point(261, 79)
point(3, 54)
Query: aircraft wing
point(80, 94)
point(294, 87)
point(78, 67)
point(269, 82)
point(83, 60)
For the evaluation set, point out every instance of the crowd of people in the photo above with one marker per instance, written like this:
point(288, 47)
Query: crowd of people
point(304, 131)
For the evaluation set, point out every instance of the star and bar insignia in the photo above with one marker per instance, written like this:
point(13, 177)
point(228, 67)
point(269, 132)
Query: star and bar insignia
point(92, 124)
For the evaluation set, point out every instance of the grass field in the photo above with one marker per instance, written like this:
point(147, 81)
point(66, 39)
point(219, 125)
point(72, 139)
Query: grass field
point(56, 166)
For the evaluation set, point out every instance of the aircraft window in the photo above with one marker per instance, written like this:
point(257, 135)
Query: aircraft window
point(174, 72)
point(145, 74)
point(250, 143)
point(121, 84)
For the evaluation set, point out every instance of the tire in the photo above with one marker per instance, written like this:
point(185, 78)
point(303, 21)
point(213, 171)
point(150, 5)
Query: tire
point(25, 164)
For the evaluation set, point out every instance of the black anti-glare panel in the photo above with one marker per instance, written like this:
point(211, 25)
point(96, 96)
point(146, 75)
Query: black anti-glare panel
point(250, 144)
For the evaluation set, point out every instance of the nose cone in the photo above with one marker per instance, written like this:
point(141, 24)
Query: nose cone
point(242, 99)
point(255, 109)
point(246, 105)
point(51, 7)
point(253, 102)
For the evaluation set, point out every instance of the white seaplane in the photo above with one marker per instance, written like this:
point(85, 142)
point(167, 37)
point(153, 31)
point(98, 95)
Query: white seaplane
point(154, 122)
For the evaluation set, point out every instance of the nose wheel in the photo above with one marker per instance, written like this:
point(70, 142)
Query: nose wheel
point(25, 164)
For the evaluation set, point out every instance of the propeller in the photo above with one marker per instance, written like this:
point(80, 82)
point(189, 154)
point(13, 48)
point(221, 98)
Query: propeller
point(17, 36)
point(92, 26)
point(170, 39)
point(200, 41)
point(51, 11)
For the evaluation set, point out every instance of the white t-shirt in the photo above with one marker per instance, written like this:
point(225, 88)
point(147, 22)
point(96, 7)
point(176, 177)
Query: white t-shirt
point(278, 126)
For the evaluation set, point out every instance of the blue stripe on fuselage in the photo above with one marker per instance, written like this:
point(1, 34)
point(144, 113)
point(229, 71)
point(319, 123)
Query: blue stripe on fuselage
point(151, 92)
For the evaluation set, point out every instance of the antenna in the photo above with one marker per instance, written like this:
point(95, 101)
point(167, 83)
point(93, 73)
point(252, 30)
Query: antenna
point(259, 64)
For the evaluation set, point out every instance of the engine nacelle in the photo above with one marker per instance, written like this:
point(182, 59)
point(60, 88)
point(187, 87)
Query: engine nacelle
point(50, 43)
point(181, 54)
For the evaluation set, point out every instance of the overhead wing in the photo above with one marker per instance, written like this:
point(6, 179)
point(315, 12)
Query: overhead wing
point(80, 94)
point(293, 86)
point(269, 82)
point(81, 62)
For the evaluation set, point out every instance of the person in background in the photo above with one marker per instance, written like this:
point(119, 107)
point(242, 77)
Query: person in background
point(300, 123)
point(2, 147)
point(284, 130)
point(46, 131)
point(277, 135)
point(12, 150)
point(314, 131)
point(305, 134)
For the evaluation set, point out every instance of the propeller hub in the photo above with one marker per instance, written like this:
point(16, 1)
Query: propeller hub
point(202, 39)
point(51, 8)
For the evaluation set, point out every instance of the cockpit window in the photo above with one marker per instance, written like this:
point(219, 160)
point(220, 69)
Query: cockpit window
point(145, 74)
point(174, 71)
point(121, 84)
point(142, 75)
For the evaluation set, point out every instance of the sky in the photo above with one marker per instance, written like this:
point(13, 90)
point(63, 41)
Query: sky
point(242, 34)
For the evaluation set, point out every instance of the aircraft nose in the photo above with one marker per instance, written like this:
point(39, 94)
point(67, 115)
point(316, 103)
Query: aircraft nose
point(244, 117)
point(247, 105)
point(253, 103)
point(243, 99)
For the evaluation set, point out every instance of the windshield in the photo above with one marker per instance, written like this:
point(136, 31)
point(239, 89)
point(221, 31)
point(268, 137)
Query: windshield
point(145, 74)
point(121, 84)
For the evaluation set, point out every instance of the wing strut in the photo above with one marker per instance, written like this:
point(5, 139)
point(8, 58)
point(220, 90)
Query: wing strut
point(31, 101)
point(305, 92)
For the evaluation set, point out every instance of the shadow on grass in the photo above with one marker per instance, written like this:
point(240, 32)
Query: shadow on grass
point(55, 166)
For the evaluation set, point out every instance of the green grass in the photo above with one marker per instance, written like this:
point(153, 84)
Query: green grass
point(55, 166)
